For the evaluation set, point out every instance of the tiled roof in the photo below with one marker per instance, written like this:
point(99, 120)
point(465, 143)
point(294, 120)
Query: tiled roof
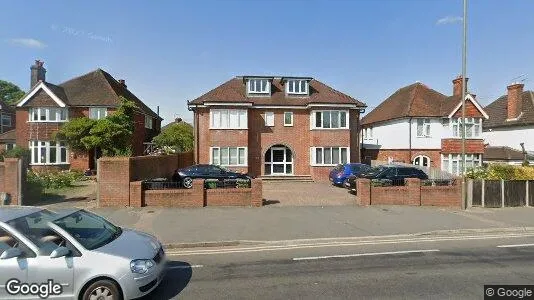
point(414, 100)
point(9, 135)
point(234, 90)
point(96, 88)
point(498, 112)
point(504, 154)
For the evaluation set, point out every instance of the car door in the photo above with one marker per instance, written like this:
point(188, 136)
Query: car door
point(60, 269)
point(13, 268)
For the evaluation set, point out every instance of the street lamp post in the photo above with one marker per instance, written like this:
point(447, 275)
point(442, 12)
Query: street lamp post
point(464, 67)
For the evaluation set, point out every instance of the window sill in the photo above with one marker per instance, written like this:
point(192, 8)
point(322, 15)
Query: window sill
point(287, 125)
point(47, 121)
point(56, 164)
point(343, 128)
point(327, 165)
point(246, 128)
point(423, 136)
point(232, 166)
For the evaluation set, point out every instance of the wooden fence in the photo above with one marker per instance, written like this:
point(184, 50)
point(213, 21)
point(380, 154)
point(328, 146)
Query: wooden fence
point(501, 193)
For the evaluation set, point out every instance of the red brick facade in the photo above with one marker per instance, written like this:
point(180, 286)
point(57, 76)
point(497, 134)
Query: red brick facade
point(471, 111)
point(259, 138)
point(28, 131)
point(455, 146)
point(402, 155)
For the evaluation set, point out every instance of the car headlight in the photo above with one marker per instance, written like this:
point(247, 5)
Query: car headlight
point(141, 266)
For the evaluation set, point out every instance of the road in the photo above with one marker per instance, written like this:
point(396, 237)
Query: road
point(425, 268)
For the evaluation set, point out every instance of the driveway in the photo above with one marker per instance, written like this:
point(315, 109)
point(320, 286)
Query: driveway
point(280, 193)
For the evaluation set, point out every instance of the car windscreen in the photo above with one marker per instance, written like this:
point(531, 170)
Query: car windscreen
point(90, 230)
point(374, 171)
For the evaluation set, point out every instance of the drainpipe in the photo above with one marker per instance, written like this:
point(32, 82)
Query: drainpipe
point(410, 139)
point(197, 131)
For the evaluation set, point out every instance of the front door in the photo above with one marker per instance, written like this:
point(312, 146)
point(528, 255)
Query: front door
point(278, 161)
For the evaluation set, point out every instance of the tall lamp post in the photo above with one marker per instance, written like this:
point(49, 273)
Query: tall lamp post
point(464, 63)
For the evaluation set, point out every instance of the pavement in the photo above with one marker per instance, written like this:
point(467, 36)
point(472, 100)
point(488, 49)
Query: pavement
point(456, 267)
point(213, 226)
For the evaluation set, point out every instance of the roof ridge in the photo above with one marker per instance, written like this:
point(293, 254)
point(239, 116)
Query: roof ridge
point(413, 94)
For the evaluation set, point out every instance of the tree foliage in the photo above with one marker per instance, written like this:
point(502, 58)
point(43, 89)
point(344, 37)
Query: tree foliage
point(112, 134)
point(9, 92)
point(177, 136)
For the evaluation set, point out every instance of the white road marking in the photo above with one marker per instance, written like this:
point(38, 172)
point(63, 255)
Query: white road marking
point(340, 244)
point(363, 254)
point(516, 246)
point(184, 267)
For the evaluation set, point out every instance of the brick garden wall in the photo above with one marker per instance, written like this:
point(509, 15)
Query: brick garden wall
point(410, 194)
point(12, 181)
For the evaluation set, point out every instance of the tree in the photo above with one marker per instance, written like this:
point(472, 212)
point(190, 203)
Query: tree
point(9, 92)
point(111, 134)
point(178, 136)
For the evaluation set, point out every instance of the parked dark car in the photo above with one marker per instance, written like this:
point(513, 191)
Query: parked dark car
point(186, 175)
point(340, 173)
point(393, 173)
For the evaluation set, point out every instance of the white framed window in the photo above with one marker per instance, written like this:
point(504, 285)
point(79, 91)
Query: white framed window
point(48, 153)
point(473, 127)
point(228, 119)
point(297, 87)
point(228, 156)
point(97, 113)
point(329, 156)
point(258, 86)
point(48, 114)
point(423, 127)
point(329, 119)
point(149, 122)
point(6, 120)
point(269, 118)
point(367, 133)
point(288, 118)
point(453, 163)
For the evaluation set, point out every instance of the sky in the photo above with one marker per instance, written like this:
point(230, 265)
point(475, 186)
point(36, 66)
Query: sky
point(173, 51)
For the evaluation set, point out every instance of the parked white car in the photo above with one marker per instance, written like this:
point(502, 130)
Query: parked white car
point(74, 254)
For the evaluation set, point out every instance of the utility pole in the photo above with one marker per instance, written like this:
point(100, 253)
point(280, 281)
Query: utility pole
point(464, 67)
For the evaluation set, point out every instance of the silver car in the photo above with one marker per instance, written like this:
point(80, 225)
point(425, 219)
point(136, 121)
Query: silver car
point(74, 254)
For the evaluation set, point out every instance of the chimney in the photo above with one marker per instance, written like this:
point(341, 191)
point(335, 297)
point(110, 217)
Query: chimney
point(515, 100)
point(37, 73)
point(123, 83)
point(178, 120)
point(457, 86)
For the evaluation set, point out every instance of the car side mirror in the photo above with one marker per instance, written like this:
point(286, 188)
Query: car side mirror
point(11, 253)
point(60, 252)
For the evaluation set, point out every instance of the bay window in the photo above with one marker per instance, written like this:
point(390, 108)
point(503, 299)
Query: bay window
point(473, 127)
point(329, 156)
point(329, 119)
point(48, 153)
point(229, 156)
point(452, 163)
point(48, 114)
point(228, 119)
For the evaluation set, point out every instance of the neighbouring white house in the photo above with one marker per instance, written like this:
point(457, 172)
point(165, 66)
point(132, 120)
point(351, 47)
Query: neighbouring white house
point(421, 126)
point(511, 120)
point(506, 155)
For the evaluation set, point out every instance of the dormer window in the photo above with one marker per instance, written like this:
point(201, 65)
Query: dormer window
point(297, 87)
point(259, 86)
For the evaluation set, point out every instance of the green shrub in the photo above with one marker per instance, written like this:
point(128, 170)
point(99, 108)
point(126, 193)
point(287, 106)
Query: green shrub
point(243, 183)
point(502, 171)
point(210, 184)
point(16, 152)
point(55, 180)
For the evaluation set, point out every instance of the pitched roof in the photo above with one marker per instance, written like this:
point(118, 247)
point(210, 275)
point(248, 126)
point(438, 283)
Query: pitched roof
point(504, 154)
point(498, 112)
point(234, 90)
point(9, 135)
point(414, 100)
point(96, 88)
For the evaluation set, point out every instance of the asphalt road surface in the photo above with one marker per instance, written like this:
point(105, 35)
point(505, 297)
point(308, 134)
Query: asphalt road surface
point(432, 269)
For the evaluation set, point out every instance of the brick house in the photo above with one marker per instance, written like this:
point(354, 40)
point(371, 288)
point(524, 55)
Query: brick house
point(421, 126)
point(47, 106)
point(511, 119)
point(276, 126)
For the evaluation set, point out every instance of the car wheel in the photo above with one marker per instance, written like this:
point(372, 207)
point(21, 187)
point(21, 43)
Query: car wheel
point(187, 182)
point(102, 289)
point(344, 184)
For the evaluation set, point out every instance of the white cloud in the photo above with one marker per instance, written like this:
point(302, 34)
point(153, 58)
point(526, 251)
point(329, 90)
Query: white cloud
point(449, 20)
point(29, 43)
